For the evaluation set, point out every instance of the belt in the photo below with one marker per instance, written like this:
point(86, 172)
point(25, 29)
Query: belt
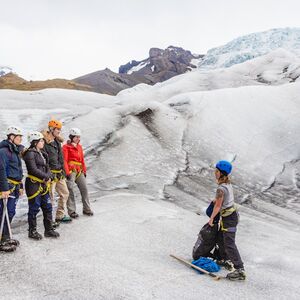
point(228, 211)
point(56, 171)
point(76, 163)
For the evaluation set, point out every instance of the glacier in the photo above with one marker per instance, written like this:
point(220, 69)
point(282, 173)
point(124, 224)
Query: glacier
point(250, 46)
point(150, 153)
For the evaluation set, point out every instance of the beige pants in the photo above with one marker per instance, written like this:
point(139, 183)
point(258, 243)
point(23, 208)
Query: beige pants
point(62, 190)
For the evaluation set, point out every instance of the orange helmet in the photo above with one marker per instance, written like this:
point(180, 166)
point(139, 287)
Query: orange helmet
point(55, 124)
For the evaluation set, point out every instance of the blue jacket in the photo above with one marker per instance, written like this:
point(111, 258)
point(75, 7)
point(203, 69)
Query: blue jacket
point(10, 164)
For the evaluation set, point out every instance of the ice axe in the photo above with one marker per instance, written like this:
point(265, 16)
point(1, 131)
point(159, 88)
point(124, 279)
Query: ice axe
point(215, 277)
point(5, 215)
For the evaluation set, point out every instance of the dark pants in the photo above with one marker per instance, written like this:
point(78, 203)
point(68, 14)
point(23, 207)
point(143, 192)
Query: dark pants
point(226, 240)
point(11, 208)
point(43, 202)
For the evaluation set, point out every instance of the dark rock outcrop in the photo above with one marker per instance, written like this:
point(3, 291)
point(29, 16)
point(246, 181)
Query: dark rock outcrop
point(161, 65)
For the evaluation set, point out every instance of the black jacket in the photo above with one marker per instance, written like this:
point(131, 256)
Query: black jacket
point(10, 164)
point(37, 164)
point(54, 151)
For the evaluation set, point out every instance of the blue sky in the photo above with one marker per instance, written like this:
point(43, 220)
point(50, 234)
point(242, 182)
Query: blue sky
point(44, 39)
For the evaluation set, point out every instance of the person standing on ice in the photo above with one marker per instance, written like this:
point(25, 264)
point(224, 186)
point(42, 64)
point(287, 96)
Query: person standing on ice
point(11, 186)
point(76, 173)
point(224, 204)
point(37, 186)
point(53, 148)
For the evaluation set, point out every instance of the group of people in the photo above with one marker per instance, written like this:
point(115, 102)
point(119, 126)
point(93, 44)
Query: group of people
point(216, 239)
point(51, 167)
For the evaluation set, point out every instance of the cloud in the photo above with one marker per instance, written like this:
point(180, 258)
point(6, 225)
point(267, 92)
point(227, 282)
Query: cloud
point(62, 38)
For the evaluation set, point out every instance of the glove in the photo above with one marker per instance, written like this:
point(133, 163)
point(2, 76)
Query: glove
point(84, 175)
point(68, 177)
point(5, 194)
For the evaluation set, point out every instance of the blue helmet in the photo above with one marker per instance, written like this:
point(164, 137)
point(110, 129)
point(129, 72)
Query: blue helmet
point(224, 167)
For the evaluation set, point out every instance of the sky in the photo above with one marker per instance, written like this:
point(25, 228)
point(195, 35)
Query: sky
point(44, 39)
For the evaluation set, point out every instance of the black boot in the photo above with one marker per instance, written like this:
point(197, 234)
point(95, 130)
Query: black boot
point(5, 247)
point(227, 264)
point(9, 241)
point(51, 233)
point(238, 274)
point(74, 215)
point(33, 234)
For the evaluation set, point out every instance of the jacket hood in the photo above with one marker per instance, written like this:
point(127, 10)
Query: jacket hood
point(5, 144)
point(12, 147)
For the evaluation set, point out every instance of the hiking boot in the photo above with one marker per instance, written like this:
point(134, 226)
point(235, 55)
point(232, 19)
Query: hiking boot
point(74, 215)
point(51, 233)
point(5, 247)
point(88, 213)
point(55, 224)
point(33, 234)
point(64, 219)
point(9, 241)
point(13, 242)
point(238, 274)
point(227, 264)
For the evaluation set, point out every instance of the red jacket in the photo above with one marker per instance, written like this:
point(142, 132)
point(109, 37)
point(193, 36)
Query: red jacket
point(73, 154)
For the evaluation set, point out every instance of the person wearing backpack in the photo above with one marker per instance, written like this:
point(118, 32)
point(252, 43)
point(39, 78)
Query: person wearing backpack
point(225, 205)
point(37, 186)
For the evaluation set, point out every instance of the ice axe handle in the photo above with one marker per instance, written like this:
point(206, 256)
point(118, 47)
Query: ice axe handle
point(216, 277)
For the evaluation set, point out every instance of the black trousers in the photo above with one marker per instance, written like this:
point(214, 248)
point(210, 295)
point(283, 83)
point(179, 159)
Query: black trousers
point(43, 202)
point(226, 240)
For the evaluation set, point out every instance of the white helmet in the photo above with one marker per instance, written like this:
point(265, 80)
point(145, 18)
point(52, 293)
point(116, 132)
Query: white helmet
point(75, 131)
point(34, 136)
point(14, 130)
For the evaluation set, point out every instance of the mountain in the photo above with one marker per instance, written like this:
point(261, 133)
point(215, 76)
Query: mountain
point(109, 82)
point(13, 81)
point(161, 65)
point(5, 70)
point(275, 68)
point(250, 46)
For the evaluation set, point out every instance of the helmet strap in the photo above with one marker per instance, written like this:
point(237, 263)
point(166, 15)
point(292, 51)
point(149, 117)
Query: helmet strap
point(11, 138)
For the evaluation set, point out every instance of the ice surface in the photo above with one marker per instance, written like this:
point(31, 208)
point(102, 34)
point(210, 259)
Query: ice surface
point(150, 153)
point(123, 253)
